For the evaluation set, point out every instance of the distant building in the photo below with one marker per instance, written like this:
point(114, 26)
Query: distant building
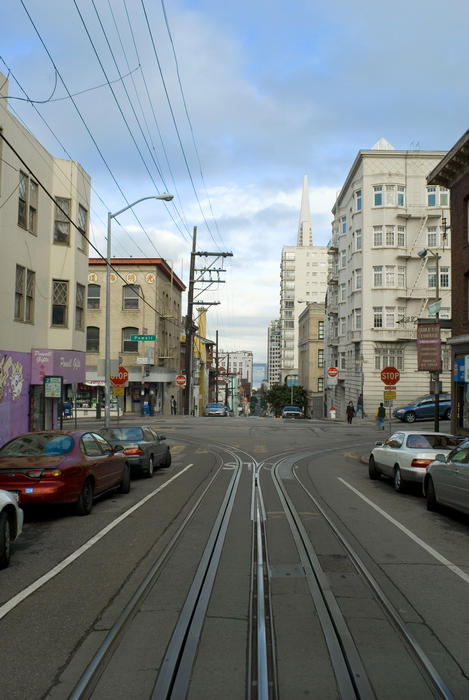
point(303, 273)
point(311, 357)
point(43, 276)
point(453, 173)
point(379, 285)
point(258, 374)
point(274, 344)
point(237, 367)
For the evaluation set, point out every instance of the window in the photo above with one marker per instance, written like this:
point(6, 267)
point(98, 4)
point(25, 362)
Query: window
point(377, 275)
point(437, 196)
point(400, 196)
point(390, 276)
point(401, 276)
point(343, 224)
point(377, 236)
point(59, 302)
point(444, 277)
point(82, 228)
point(432, 237)
point(27, 203)
point(391, 356)
point(29, 307)
point(131, 294)
point(62, 221)
point(92, 339)
point(377, 317)
point(343, 326)
point(390, 317)
point(94, 296)
point(390, 236)
point(358, 239)
point(342, 293)
point(343, 258)
point(378, 196)
point(431, 277)
point(127, 344)
point(358, 319)
point(80, 307)
point(401, 236)
point(342, 361)
point(358, 278)
point(320, 358)
point(358, 200)
point(320, 383)
point(321, 330)
point(389, 195)
point(19, 293)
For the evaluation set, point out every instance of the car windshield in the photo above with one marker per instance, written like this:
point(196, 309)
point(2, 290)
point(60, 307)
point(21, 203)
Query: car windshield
point(432, 441)
point(38, 445)
point(133, 433)
point(216, 405)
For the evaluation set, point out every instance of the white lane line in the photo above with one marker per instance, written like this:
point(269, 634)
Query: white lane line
point(22, 595)
point(439, 557)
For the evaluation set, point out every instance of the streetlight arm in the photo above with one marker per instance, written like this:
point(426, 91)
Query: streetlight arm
point(165, 197)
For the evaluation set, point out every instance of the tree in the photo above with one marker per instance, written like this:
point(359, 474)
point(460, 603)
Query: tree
point(280, 395)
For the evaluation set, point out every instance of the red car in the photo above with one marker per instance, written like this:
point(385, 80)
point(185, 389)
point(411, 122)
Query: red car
point(69, 466)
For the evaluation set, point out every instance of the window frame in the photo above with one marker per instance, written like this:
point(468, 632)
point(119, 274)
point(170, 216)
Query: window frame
point(62, 237)
point(92, 344)
point(129, 346)
point(135, 288)
point(55, 306)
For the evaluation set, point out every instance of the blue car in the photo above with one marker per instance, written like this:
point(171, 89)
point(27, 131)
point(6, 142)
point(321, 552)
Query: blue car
point(424, 409)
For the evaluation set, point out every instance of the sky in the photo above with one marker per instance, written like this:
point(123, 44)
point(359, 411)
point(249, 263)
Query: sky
point(227, 105)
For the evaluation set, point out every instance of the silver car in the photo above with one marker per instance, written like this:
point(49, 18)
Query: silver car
point(406, 454)
point(11, 524)
point(447, 480)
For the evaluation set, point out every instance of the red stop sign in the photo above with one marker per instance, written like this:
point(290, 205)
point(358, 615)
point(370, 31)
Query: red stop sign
point(121, 377)
point(390, 375)
point(181, 380)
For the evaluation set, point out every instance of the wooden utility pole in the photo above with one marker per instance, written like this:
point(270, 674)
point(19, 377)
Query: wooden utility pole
point(190, 329)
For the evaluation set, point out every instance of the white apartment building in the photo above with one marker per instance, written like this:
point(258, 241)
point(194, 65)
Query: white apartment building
point(378, 285)
point(303, 279)
point(44, 205)
point(239, 363)
point(273, 353)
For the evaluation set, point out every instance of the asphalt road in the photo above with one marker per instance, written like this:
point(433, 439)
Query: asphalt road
point(70, 577)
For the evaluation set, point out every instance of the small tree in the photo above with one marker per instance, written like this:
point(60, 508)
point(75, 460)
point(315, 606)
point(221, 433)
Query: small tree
point(280, 395)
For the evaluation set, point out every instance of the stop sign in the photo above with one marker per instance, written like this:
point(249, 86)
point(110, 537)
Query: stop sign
point(181, 380)
point(332, 371)
point(390, 376)
point(121, 377)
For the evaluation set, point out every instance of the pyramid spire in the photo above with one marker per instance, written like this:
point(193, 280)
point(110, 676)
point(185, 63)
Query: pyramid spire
point(305, 229)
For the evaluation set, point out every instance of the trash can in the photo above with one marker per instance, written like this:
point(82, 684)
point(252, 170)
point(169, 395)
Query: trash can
point(332, 413)
point(146, 409)
point(67, 409)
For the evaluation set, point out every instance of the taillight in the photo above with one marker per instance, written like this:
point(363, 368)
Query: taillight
point(133, 451)
point(422, 463)
point(44, 473)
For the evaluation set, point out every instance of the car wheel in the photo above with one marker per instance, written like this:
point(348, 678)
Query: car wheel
point(5, 540)
point(373, 473)
point(432, 503)
point(151, 468)
point(85, 500)
point(167, 460)
point(410, 417)
point(448, 414)
point(124, 486)
point(398, 480)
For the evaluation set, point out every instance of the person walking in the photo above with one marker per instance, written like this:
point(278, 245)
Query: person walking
point(380, 416)
point(173, 405)
point(350, 412)
point(360, 406)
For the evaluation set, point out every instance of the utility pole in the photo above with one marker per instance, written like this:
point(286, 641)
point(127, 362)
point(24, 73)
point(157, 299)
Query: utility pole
point(216, 367)
point(191, 328)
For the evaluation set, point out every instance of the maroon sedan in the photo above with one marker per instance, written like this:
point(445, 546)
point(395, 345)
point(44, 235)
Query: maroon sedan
point(69, 466)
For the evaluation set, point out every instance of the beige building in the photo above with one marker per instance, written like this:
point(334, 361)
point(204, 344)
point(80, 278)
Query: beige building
point(311, 357)
point(145, 300)
point(44, 205)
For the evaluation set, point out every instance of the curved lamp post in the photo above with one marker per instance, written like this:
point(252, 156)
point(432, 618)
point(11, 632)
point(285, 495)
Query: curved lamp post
point(107, 350)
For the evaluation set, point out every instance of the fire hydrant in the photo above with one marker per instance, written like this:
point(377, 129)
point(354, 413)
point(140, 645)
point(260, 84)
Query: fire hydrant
point(332, 413)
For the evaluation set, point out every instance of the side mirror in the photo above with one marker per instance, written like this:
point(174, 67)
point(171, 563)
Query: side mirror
point(118, 448)
point(378, 443)
point(440, 458)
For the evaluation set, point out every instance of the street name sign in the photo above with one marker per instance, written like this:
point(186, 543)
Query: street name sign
point(142, 336)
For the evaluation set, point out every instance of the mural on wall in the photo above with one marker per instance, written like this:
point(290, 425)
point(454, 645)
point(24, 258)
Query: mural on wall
point(15, 371)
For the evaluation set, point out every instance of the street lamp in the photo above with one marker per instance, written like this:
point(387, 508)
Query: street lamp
point(436, 375)
point(107, 349)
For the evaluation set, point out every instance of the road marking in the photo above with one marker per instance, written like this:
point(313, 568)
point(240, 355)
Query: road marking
point(22, 595)
point(433, 552)
point(177, 449)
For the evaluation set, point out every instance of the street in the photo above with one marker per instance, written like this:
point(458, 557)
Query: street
point(257, 560)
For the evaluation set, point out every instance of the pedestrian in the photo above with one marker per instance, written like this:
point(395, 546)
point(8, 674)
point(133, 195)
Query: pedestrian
point(380, 416)
point(151, 403)
point(173, 405)
point(360, 406)
point(350, 412)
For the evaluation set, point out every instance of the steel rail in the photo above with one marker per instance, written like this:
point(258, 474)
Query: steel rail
point(90, 677)
point(431, 672)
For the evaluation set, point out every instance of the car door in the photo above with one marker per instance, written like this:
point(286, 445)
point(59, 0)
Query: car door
point(453, 484)
point(425, 407)
point(111, 463)
point(387, 453)
point(159, 448)
point(95, 461)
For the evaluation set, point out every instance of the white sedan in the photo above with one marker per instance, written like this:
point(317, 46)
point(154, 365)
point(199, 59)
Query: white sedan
point(11, 524)
point(406, 454)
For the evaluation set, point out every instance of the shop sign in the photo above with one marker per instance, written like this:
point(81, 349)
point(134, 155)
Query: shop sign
point(460, 367)
point(428, 347)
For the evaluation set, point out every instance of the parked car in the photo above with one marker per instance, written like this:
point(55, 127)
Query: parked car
point(216, 409)
point(424, 408)
point(292, 412)
point(11, 524)
point(69, 466)
point(144, 448)
point(447, 480)
point(406, 454)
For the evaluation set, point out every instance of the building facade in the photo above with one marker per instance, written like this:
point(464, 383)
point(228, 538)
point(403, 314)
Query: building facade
point(378, 284)
point(453, 172)
point(303, 279)
point(44, 205)
point(236, 368)
point(145, 300)
point(273, 354)
point(311, 357)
